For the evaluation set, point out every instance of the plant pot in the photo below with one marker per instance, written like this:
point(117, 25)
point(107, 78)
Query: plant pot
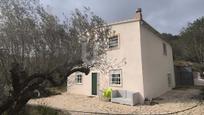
point(106, 99)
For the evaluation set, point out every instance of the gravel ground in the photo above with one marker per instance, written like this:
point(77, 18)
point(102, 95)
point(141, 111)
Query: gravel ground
point(172, 101)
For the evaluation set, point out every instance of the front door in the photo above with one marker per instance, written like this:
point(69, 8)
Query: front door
point(94, 83)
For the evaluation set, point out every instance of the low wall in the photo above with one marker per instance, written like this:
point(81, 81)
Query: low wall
point(198, 81)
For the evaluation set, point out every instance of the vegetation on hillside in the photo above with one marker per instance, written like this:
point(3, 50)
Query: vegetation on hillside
point(189, 44)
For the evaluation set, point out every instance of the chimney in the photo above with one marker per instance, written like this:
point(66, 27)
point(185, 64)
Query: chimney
point(138, 14)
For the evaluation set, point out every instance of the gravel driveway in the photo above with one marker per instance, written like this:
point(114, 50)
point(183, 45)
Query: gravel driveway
point(172, 101)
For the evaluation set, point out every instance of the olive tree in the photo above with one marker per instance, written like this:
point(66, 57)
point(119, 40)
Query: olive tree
point(193, 40)
point(36, 47)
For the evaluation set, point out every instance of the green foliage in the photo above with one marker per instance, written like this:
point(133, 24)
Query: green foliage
point(198, 67)
point(38, 50)
point(41, 110)
point(188, 45)
point(193, 39)
point(107, 93)
point(38, 110)
point(175, 42)
point(46, 111)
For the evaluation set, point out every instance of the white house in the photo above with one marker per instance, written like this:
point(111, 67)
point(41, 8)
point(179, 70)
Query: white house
point(146, 63)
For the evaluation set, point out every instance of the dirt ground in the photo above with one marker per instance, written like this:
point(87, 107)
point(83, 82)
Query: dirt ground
point(172, 101)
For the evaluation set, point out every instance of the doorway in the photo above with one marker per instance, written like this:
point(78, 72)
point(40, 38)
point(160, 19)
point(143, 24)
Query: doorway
point(94, 83)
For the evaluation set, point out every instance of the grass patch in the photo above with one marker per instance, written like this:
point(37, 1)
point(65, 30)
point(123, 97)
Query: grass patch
point(51, 91)
point(42, 110)
point(59, 89)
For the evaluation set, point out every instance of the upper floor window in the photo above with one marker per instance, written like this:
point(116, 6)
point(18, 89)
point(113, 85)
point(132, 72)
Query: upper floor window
point(164, 49)
point(78, 79)
point(113, 42)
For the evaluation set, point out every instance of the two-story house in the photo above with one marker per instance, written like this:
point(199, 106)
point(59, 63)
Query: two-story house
point(147, 63)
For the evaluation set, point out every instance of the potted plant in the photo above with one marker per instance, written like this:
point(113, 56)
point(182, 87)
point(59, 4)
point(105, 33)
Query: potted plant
point(107, 94)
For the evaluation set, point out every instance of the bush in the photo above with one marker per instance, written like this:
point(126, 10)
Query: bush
point(41, 110)
point(107, 93)
point(198, 67)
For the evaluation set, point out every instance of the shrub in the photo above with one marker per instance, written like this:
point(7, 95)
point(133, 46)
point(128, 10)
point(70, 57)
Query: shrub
point(107, 93)
point(41, 110)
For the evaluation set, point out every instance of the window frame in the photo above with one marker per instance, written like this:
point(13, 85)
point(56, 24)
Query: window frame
point(77, 78)
point(169, 78)
point(115, 71)
point(164, 48)
point(118, 42)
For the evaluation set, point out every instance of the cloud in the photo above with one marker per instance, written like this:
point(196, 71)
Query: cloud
point(168, 16)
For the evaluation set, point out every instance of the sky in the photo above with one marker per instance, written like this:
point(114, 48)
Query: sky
point(166, 16)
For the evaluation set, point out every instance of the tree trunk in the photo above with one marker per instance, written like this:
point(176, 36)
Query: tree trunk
point(23, 92)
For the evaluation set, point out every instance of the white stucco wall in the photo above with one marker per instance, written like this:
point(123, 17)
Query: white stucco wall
point(130, 51)
point(83, 89)
point(127, 58)
point(155, 64)
point(140, 57)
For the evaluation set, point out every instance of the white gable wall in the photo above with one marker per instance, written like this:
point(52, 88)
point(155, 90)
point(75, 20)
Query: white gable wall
point(83, 89)
point(155, 64)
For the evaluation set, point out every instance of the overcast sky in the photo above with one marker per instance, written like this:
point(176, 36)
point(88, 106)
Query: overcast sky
point(164, 15)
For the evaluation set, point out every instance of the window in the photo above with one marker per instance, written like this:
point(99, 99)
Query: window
point(115, 78)
point(113, 42)
point(78, 79)
point(164, 49)
point(169, 79)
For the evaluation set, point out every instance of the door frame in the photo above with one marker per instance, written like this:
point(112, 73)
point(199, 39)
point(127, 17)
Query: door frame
point(95, 84)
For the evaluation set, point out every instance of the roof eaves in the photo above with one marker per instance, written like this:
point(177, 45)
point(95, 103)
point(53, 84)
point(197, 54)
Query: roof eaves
point(145, 24)
point(123, 22)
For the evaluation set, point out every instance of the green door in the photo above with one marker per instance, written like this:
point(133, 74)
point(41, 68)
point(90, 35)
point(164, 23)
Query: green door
point(94, 83)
